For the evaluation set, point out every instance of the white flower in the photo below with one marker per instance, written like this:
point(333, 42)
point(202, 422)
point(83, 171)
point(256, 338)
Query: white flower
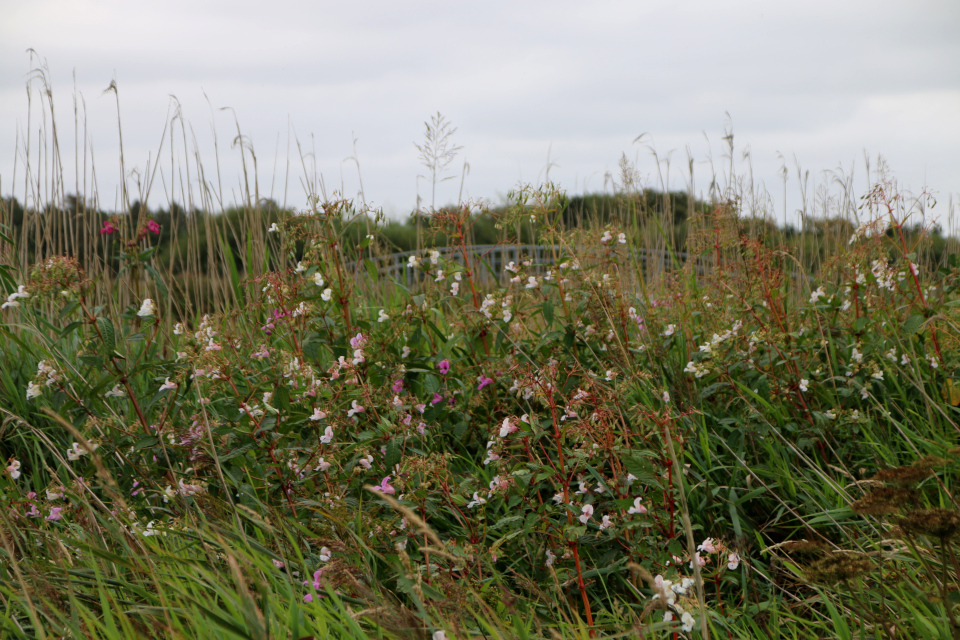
point(147, 309)
point(733, 561)
point(816, 295)
point(14, 469)
point(933, 362)
point(434, 257)
point(666, 396)
point(622, 238)
point(687, 621)
point(455, 288)
point(804, 384)
point(637, 507)
point(318, 279)
point(587, 513)
point(405, 351)
point(75, 451)
point(550, 558)
point(606, 523)
point(327, 436)
point(856, 355)
point(55, 494)
point(318, 415)
point(33, 391)
point(413, 261)
point(382, 316)
point(273, 228)
point(326, 295)
point(355, 409)
point(476, 502)
point(325, 554)
point(669, 331)
point(300, 267)
point(439, 635)
point(167, 385)
point(531, 282)
point(178, 329)
point(606, 237)
point(507, 428)
point(11, 302)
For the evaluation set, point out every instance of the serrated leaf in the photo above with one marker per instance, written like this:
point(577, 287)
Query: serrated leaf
point(913, 323)
point(107, 332)
point(548, 312)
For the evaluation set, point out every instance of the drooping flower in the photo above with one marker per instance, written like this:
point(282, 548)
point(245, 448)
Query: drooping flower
point(385, 487)
point(153, 227)
point(168, 386)
point(733, 561)
point(318, 415)
point(606, 523)
point(586, 513)
point(355, 409)
point(382, 316)
point(476, 502)
point(273, 228)
point(507, 428)
point(33, 391)
point(327, 436)
point(108, 228)
point(708, 546)
point(325, 555)
point(484, 381)
point(147, 309)
point(637, 507)
point(14, 469)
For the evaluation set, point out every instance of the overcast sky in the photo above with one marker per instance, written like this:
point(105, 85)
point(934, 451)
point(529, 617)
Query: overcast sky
point(523, 82)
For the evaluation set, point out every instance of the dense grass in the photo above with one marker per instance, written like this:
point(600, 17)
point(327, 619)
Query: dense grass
point(767, 424)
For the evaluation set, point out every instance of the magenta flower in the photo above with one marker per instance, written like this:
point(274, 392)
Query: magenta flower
point(397, 385)
point(55, 513)
point(108, 228)
point(484, 381)
point(385, 487)
point(436, 398)
point(153, 227)
point(358, 341)
point(444, 367)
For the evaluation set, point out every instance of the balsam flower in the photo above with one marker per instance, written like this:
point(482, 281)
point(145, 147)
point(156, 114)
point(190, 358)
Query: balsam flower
point(147, 309)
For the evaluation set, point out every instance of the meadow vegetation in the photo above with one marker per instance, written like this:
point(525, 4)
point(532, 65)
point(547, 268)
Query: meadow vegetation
point(685, 420)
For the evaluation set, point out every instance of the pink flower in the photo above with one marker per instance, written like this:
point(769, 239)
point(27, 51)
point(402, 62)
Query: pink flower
point(444, 367)
point(733, 561)
point(385, 487)
point(358, 341)
point(153, 226)
point(108, 228)
point(637, 507)
point(587, 513)
point(356, 408)
point(436, 398)
point(55, 513)
point(484, 381)
point(397, 385)
point(707, 546)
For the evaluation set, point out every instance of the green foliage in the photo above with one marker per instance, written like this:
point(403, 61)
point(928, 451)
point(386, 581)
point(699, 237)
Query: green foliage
point(340, 456)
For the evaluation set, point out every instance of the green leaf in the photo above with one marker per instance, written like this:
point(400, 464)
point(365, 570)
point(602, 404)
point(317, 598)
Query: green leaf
point(548, 312)
point(913, 323)
point(392, 456)
point(107, 332)
point(371, 268)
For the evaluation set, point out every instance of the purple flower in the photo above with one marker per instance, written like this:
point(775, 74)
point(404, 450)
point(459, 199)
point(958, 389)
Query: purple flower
point(444, 367)
point(385, 487)
point(397, 385)
point(484, 381)
point(436, 398)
